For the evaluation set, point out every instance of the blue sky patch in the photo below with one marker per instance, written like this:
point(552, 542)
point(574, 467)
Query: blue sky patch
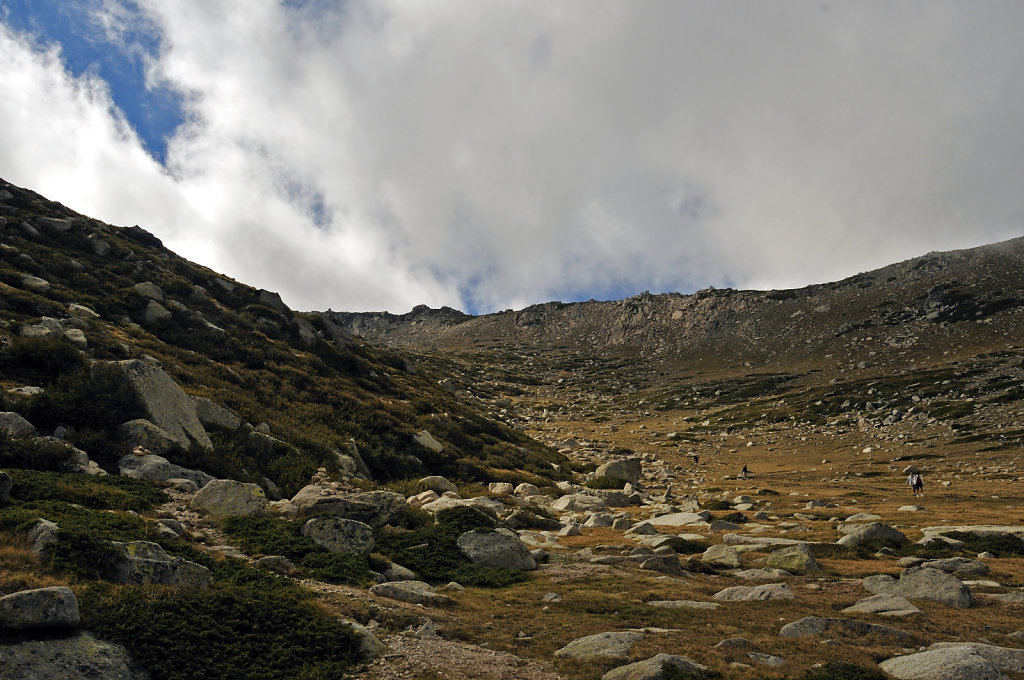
point(154, 113)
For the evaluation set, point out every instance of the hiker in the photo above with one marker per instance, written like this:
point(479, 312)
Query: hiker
point(696, 459)
point(743, 472)
point(918, 485)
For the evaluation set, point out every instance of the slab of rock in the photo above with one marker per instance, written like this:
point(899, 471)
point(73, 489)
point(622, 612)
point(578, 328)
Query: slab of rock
point(816, 625)
point(922, 583)
point(579, 502)
point(762, 574)
point(665, 564)
point(16, 426)
point(340, 535)
point(615, 645)
point(427, 441)
point(767, 591)
point(497, 548)
point(228, 498)
point(958, 565)
point(739, 539)
point(437, 484)
point(627, 470)
point(722, 555)
point(144, 562)
point(654, 668)
point(884, 605)
point(166, 404)
point(679, 519)
point(873, 531)
point(81, 657)
point(683, 604)
point(42, 608)
point(956, 661)
point(370, 507)
point(795, 559)
point(158, 469)
point(211, 413)
point(414, 592)
point(141, 432)
point(41, 533)
point(482, 502)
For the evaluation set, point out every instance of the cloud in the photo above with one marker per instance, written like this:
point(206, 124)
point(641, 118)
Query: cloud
point(368, 155)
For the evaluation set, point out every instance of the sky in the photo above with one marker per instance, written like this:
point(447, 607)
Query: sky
point(375, 155)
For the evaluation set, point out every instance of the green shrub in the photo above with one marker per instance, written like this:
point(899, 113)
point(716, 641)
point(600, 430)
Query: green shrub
point(1000, 545)
point(26, 453)
point(840, 670)
point(716, 504)
point(39, 360)
point(98, 493)
point(276, 536)
point(252, 627)
point(734, 517)
point(433, 552)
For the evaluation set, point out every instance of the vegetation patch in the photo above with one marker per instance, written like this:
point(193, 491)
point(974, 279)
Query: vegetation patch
point(1000, 545)
point(276, 536)
point(260, 628)
point(605, 483)
point(96, 493)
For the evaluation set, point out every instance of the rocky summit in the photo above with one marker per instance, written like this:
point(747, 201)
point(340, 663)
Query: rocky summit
point(197, 481)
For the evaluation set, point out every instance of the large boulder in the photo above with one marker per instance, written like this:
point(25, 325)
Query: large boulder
point(795, 559)
point(654, 668)
point(816, 625)
point(870, 532)
point(55, 607)
point(15, 425)
point(158, 469)
point(212, 413)
point(340, 535)
point(80, 657)
point(167, 406)
point(226, 498)
point(722, 555)
point(922, 583)
point(884, 605)
point(144, 562)
point(627, 470)
point(370, 507)
point(141, 432)
point(497, 548)
point(602, 645)
point(414, 592)
point(956, 661)
point(579, 502)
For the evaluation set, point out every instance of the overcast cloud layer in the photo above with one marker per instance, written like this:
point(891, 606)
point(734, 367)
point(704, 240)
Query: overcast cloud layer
point(484, 155)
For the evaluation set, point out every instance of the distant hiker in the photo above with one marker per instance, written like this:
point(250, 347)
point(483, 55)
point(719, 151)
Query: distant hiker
point(918, 485)
point(696, 459)
point(743, 472)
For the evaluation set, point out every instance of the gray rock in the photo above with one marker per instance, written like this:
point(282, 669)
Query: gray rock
point(795, 559)
point(273, 300)
point(81, 311)
point(144, 562)
point(55, 607)
point(665, 564)
point(227, 498)
point(722, 555)
point(626, 470)
point(369, 646)
point(654, 668)
point(340, 535)
point(414, 592)
point(579, 502)
point(438, 484)
point(683, 604)
point(396, 572)
point(956, 661)
point(767, 591)
point(766, 659)
point(816, 625)
point(873, 531)
point(150, 290)
point(213, 414)
point(679, 519)
point(498, 548)
point(41, 533)
point(168, 407)
point(602, 645)
point(16, 426)
point(427, 441)
point(762, 574)
point(371, 507)
point(158, 469)
point(80, 657)
point(141, 432)
point(35, 284)
point(155, 313)
point(885, 605)
point(958, 565)
point(5, 488)
point(922, 583)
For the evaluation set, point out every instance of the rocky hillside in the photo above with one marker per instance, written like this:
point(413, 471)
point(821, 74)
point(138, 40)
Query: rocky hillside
point(77, 294)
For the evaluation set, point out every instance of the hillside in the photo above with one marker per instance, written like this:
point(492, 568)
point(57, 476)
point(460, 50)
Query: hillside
point(198, 482)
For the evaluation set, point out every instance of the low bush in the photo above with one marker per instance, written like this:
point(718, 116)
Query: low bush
point(250, 627)
point(605, 483)
point(716, 504)
point(1000, 545)
point(97, 493)
point(276, 536)
point(39, 361)
point(840, 670)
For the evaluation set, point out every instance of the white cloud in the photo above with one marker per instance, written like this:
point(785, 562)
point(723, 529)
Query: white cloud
point(367, 155)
